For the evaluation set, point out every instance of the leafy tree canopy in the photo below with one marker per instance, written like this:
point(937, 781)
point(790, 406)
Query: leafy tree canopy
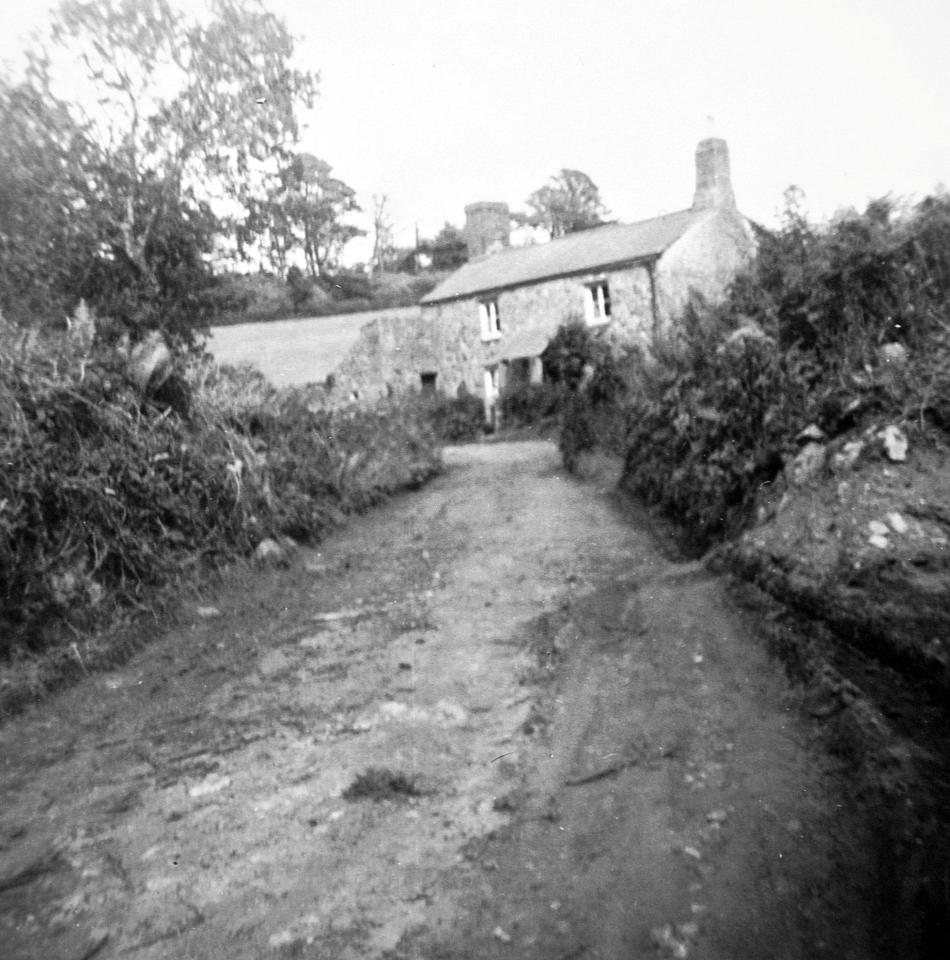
point(448, 249)
point(570, 202)
point(303, 208)
point(179, 123)
point(318, 203)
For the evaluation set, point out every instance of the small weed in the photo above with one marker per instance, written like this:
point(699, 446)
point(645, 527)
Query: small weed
point(381, 783)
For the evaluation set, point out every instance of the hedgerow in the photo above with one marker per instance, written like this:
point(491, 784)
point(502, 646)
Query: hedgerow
point(108, 498)
point(807, 335)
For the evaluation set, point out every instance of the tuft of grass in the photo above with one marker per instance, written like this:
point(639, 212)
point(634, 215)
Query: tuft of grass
point(381, 783)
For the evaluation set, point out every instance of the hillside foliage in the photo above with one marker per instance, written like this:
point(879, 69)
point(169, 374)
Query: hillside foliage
point(116, 186)
point(107, 498)
point(826, 327)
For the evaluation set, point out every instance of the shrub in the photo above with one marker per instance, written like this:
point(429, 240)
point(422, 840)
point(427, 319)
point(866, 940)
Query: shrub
point(571, 350)
point(348, 285)
point(529, 404)
point(709, 424)
point(714, 413)
point(591, 376)
point(300, 286)
point(106, 499)
point(456, 419)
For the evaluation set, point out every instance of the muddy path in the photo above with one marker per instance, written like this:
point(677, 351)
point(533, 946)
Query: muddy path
point(491, 719)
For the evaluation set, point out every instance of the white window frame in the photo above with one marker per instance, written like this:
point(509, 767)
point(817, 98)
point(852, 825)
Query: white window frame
point(488, 314)
point(597, 307)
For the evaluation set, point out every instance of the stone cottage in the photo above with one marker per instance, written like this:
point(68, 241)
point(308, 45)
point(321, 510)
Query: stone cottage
point(486, 326)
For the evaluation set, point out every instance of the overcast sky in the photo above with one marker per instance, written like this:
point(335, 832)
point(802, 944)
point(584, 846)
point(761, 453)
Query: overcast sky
point(438, 104)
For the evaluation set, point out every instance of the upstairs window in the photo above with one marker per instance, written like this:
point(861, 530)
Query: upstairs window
point(491, 325)
point(597, 302)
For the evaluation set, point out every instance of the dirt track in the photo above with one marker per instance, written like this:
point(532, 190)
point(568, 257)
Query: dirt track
point(603, 762)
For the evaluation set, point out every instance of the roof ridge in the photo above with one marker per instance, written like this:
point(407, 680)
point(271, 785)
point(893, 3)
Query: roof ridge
point(606, 245)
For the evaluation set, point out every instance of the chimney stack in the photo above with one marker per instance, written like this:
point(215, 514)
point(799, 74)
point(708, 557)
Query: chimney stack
point(487, 227)
point(713, 183)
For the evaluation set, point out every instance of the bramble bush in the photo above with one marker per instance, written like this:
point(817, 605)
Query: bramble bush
point(108, 499)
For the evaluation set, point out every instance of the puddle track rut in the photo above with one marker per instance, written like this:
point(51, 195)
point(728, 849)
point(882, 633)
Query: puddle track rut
point(604, 762)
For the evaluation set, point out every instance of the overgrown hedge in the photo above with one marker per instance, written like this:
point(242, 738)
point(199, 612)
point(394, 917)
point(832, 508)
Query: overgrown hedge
point(106, 498)
point(826, 327)
point(263, 297)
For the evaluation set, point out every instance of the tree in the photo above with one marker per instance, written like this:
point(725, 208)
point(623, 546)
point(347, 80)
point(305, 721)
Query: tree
point(383, 249)
point(304, 209)
point(571, 202)
point(449, 250)
point(317, 203)
point(182, 123)
point(569, 352)
point(384, 252)
point(47, 233)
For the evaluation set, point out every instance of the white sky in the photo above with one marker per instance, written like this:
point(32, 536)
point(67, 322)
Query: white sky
point(438, 104)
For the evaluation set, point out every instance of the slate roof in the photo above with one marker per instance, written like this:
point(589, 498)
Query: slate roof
point(595, 249)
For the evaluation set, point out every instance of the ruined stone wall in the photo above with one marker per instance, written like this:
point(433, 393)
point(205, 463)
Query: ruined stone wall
point(390, 356)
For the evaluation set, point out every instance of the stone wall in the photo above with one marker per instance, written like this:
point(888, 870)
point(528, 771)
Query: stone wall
point(388, 357)
point(704, 260)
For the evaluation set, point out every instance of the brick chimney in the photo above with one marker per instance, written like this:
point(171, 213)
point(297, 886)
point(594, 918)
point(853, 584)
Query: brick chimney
point(713, 183)
point(487, 227)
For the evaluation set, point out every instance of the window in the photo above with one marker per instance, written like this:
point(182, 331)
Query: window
point(491, 325)
point(428, 383)
point(597, 302)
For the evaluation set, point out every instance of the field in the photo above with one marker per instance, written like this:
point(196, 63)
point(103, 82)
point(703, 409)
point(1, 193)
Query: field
point(295, 352)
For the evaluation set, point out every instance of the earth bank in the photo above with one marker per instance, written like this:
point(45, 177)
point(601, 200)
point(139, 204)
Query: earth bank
point(855, 551)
